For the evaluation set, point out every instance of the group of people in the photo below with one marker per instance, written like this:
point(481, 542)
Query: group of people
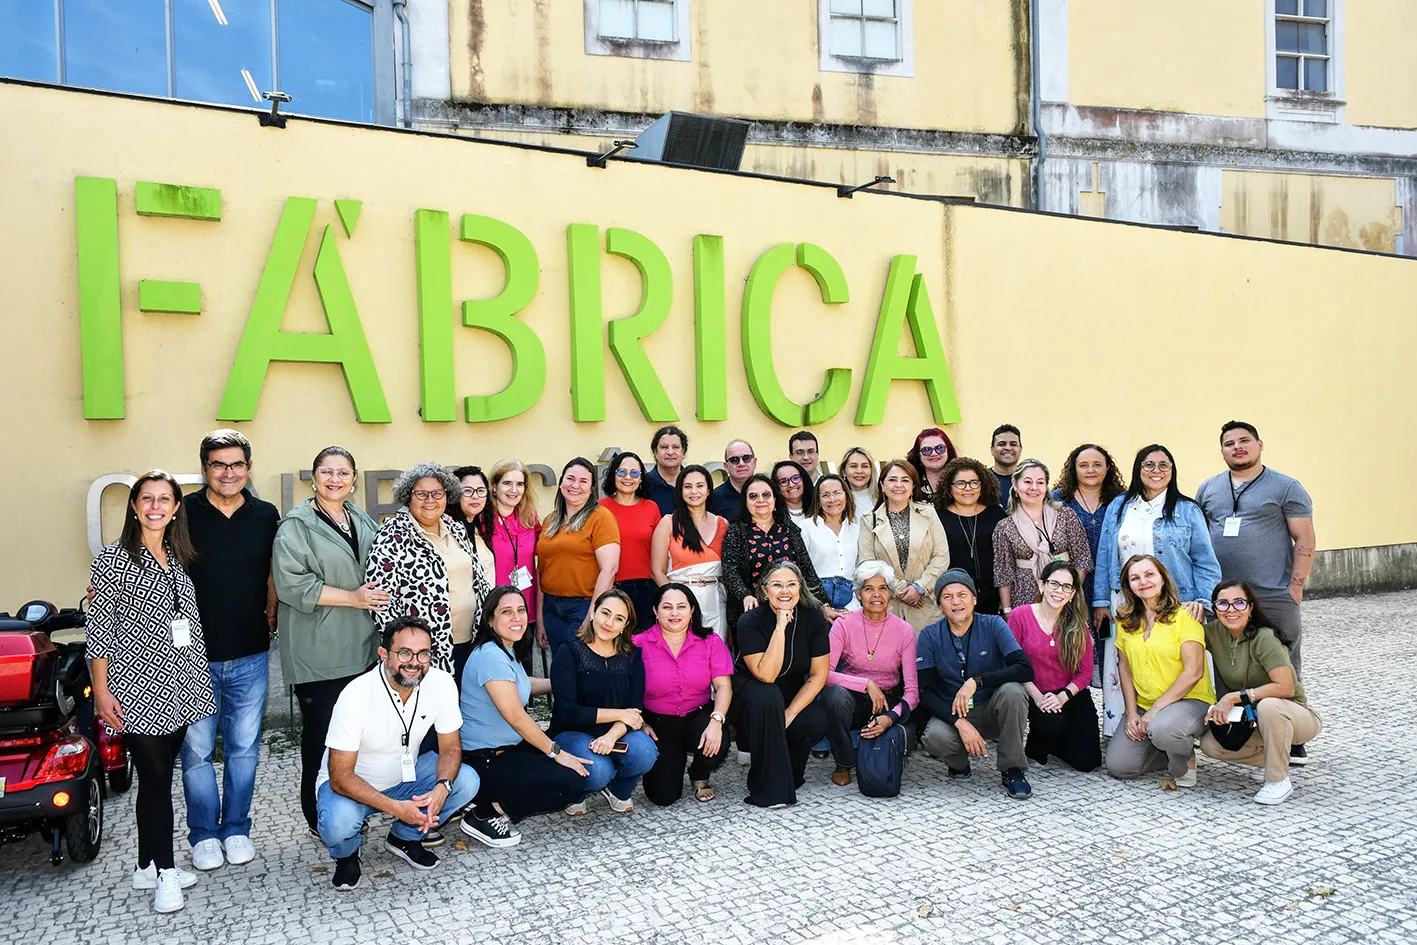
point(804, 609)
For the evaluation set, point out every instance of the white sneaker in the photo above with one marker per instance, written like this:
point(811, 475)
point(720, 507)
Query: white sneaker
point(147, 878)
point(168, 897)
point(577, 809)
point(206, 854)
point(617, 805)
point(239, 850)
point(744, 758)
point(1188, 779)
point(1274, 792)
point(1257, 775)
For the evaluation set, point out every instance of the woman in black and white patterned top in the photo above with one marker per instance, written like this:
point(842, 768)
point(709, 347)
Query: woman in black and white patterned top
point(149, 663)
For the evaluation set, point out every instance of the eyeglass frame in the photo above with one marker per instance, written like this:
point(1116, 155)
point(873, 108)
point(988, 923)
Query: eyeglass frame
point(428, 495)
point(404, 655)
point(240, 465)
point(1239, 603)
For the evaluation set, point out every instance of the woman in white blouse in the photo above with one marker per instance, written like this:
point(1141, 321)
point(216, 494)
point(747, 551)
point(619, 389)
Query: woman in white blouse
point(831, 532)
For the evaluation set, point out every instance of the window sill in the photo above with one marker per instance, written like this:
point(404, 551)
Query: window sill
point(1290, 105)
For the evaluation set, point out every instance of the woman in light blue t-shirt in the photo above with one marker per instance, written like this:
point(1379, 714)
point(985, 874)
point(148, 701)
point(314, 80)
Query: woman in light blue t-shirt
point(523, 771)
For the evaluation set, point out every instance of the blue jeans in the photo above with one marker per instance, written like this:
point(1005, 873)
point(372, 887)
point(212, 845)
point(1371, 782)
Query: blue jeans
point(562, 617)
point(240, 689)
point(341, 817)
point(619, 772)
point(839, 591)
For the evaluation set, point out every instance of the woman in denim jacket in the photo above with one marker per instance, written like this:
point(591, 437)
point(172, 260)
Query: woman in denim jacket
point(1151, 518)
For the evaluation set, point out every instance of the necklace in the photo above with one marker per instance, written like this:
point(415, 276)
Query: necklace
point(971, 536)
point(873, 647)
point(1047, 631)
point(1077, 497)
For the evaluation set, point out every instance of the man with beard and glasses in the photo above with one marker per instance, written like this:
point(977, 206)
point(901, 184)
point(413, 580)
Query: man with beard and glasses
point(371, 759)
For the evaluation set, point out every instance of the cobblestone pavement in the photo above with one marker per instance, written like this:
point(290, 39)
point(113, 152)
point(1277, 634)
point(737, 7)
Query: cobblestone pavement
point(1088, 859)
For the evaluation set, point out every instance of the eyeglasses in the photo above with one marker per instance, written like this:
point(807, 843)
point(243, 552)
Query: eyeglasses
point(1239, 604)
point(474, 492)
point(792, 480)
point(1053, 585)
point(404, 655)
point(831, 494)
point(429, 495)
point(777, 586)
point(940, 450)
point(624, 473)
point(239, 466)
point(1149, 466)
point(343, 474)
point(966, 483)
point(760, 497)
point(806, 452)
point(739, 460)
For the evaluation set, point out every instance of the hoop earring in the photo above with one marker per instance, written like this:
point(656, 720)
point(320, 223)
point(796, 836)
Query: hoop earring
point(312, 487)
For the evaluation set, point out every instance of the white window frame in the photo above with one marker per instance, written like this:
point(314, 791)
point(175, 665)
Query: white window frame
point(677, 49)
point(1296, 104)
point(827, 61)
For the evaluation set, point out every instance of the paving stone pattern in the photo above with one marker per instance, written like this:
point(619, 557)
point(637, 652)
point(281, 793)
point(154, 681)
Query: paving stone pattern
point(1088, 859)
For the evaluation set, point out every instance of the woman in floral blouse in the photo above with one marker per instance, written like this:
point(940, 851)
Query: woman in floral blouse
point(763, 534)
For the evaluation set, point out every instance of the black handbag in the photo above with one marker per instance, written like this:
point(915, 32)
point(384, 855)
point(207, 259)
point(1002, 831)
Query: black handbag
point(1232, 736)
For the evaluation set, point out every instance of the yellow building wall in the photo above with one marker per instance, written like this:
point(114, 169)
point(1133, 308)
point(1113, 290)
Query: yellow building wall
point(750, 59)
point(1204, 57)
point(1381, 83)
point(1354, 212)
point(1002, 283)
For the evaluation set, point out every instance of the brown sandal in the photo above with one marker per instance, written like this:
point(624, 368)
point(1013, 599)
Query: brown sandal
point(703, 792)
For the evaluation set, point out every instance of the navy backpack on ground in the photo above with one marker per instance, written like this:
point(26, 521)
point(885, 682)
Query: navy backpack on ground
point(879, 762)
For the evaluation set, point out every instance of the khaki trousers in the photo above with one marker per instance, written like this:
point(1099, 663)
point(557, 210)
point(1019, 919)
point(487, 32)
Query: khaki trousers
point(1282, 722)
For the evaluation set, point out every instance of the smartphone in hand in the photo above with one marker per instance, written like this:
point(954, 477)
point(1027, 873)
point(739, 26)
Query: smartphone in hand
point(619, 748)
point(1236, 714)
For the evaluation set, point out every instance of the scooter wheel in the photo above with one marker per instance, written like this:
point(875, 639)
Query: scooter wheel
point(120, 781)
point(83, 831)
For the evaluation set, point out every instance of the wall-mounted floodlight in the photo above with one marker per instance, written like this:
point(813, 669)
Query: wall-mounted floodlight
point(274, 119)
point(598, 160)
point(845, 191)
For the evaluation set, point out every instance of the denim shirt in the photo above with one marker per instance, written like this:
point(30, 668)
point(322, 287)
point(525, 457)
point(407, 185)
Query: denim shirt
point(1182, 544)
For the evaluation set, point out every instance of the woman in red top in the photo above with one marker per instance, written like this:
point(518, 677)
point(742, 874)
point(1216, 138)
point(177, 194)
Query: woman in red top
point(627, 498)
point(1062, 719)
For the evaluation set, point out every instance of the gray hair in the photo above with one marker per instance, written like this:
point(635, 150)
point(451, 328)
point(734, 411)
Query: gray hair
point(1022, 468)
point(805, 596)
point(403, 485)
point(871, 569)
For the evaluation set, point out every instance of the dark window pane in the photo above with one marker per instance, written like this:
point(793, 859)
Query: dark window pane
point(1312, 38)
point(326, 59)
point(1286, 72)
point(218, 45)
point(116, 46)
point(1286, 37)
point(27, 40)
point(1286, 6)
point(1316, 75)
point(1315, 7)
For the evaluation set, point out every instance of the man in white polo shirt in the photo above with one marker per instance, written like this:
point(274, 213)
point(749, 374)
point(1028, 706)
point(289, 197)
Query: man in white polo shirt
point(371, 754)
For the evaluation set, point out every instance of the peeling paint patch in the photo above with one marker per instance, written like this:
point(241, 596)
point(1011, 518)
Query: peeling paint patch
point(477, 25)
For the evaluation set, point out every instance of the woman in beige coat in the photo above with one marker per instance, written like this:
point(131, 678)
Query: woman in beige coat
point(909, 538)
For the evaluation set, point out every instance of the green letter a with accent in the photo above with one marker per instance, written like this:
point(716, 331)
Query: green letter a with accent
point(263, 340)
point(906, 302)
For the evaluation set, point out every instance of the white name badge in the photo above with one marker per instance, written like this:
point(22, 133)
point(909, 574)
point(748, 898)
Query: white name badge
point(521, 578)
point(181, 632)
point(1232, 526)
point(409, 773)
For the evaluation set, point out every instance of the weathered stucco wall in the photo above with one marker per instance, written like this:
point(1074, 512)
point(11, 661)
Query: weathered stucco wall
point(1354, 212)
point(1382, 47)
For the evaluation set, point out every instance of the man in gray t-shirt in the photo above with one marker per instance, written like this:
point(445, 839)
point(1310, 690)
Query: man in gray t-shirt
point(1262, 527)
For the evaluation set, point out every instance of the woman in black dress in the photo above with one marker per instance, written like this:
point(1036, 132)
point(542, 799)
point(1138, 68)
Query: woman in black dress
point(968, 507)
point(760, 535)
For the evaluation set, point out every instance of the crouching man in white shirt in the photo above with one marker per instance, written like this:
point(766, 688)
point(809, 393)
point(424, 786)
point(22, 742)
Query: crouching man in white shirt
point(372, 762)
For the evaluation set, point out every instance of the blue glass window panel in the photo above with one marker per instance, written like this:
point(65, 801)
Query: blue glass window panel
point(119, 46)
point(1286, 72)
point(327, 59)
point(27, 40)
point(217, 44)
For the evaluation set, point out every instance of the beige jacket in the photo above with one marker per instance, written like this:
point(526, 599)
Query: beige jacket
point(929, 558)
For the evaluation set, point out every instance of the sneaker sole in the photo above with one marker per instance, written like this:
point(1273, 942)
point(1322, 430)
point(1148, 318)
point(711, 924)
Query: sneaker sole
point(433, 844)
point(1297, 762)
point(144, 886)
point(403, 855)
point(494, 842)
point(1271, 801)
point(346, 887)
point(169, 909)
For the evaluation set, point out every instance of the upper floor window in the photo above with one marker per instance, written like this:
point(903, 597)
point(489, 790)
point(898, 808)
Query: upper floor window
point(641, 29)
point(866, 36)
point(223, 51)
point(1301, 45)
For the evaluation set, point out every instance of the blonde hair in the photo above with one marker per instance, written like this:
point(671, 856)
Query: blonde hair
point(1132, 612)
point(526, 508)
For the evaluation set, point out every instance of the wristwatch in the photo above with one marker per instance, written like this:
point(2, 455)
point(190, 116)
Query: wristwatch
point(555, 750)
point(446, 783)
point(717, 717)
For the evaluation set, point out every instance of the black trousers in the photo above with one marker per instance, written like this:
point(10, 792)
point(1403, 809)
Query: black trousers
point(523, 780)
point(679, 740)
point(641, 591)
point(779, 751)
point(155, 759)
point(1071, 735)
point(848, 709)
point(317, 703)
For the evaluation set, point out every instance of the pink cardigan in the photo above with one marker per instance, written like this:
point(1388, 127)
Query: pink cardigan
point(894, 657)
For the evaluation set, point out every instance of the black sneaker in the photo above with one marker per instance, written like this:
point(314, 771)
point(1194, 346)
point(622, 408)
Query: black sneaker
point(433, 839)
point(347, 872)
point(1017, 784)
point(494, 831)
point(411, 852)
point(959, 774)
point(1297, 755)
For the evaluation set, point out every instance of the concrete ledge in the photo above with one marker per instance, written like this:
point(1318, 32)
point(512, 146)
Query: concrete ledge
point(1343, 572)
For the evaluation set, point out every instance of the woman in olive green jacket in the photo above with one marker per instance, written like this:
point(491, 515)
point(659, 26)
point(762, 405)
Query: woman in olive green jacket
point(328, 635)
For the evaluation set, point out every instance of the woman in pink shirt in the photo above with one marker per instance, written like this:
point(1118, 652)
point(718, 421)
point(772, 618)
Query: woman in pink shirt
point(873, 683)
point(515, 526)
point(688, 688)
point(1053, 632)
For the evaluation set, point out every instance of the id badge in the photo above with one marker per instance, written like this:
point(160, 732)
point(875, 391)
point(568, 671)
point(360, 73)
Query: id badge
point(1232, 526)
point(181, 632)
point(409, 774)
point(521, 578)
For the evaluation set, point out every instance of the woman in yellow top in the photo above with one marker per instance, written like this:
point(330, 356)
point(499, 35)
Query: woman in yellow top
point(1161, 662)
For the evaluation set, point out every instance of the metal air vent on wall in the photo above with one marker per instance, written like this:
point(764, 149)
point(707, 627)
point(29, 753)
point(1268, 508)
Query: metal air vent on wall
point(691, 140)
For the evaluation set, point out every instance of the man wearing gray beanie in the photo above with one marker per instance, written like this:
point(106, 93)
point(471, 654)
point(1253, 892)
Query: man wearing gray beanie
point(972, 672)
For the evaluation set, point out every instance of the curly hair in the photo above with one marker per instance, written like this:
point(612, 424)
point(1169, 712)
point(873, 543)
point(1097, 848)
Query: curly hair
point(1066, 484)
point(988, 482)
point(403, 485)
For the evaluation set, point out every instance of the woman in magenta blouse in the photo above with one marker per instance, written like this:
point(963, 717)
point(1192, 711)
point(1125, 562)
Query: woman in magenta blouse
point(515, 529)
point(688, 688)
point(1053, 632)
point(873, 683)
